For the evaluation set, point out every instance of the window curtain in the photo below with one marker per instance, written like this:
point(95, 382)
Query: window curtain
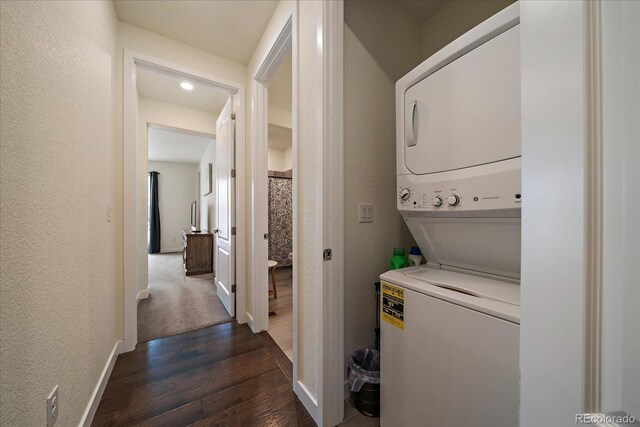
point(154, 214)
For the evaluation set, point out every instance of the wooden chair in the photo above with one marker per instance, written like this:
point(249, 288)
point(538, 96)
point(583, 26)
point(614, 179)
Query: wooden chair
point(271, 265)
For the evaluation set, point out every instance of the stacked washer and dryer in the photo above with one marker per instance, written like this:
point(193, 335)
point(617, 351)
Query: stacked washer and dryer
point(450, 328)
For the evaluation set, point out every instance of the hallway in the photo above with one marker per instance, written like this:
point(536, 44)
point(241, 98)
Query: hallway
point(222, 375)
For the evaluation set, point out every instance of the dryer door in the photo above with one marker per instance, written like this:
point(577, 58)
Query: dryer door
point(468, 112)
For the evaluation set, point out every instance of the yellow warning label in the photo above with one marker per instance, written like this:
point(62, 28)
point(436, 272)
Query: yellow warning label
point(393, 305)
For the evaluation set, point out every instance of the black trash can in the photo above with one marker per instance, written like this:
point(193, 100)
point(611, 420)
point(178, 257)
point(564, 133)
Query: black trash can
point(364, 378)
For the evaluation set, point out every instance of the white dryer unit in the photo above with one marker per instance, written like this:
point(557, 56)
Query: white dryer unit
point(450, 329)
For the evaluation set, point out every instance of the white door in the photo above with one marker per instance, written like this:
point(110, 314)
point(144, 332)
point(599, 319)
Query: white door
point(620, 344)
point(580, 335)
point(224, 255)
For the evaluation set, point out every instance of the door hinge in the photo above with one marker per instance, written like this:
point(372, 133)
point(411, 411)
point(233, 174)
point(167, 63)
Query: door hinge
point(327, 255)
point(233, 173)
point(233, 115)
point(233, 288)
point(233, 231)
point(266, 236)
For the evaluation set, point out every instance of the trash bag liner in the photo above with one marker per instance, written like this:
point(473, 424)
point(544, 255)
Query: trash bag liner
point(364, 367)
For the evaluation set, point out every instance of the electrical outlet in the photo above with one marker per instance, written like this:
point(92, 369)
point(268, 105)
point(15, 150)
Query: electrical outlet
point(53, 407)
point(366, 212)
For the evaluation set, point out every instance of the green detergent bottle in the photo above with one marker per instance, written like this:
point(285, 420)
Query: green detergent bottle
point(398, 260)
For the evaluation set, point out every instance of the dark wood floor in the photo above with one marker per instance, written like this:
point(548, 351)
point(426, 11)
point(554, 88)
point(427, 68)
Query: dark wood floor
point(222, 375)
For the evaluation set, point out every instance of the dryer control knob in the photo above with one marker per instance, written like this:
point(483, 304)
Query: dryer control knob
point(405, 193)
point(453, 200)
point(437, 201)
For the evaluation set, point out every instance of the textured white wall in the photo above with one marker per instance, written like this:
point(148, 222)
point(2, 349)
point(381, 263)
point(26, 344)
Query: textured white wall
point(177, 189)
point(206, 204)
point(287, 159)
point(279, 116)
point(454, 19)
point(369, 164)
point(274, 159)
point(280, 92)
point(61, 282)
point(390, 35)
point(553, 156)
point(621, 228)
point(173, 115)
point(146, 42)
point(167, 114)
point(280, 160)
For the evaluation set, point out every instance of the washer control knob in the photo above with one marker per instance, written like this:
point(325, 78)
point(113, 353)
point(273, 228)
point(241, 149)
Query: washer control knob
point(437, 201)
point(405, 193)
point(453, 200)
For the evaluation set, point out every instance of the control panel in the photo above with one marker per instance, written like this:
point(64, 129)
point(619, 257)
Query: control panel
point(486, 192)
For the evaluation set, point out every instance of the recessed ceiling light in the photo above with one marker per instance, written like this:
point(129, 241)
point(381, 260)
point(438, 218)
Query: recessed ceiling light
point(186, 86)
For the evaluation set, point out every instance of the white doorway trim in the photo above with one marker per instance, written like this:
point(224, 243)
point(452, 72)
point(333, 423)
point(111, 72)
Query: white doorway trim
point(130, 159)
point(283, 44)
point(327, 408)
point(331, 371)
point(260, 203)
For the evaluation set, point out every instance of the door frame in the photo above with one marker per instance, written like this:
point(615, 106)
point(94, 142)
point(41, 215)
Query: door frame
point(131, 225)
point(331, 369)
point(259, 196)
point(327, 408)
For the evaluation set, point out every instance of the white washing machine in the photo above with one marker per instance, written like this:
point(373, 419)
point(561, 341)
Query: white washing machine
point(449, 346)
point(450, 329)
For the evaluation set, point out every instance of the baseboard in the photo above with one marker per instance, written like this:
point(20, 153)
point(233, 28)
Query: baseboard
point(309, 402)
point(249, 321)
point(171, 250)
point(92, 407)
point(144, 294)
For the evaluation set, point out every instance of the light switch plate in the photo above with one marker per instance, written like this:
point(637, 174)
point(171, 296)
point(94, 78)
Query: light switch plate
point(365, 212)
point(108, 212)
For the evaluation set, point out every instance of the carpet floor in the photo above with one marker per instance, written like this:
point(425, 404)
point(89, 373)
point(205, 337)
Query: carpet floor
point(177, 303)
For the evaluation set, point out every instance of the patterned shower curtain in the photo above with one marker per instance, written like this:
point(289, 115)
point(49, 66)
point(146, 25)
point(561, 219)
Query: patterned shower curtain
point(280, 220)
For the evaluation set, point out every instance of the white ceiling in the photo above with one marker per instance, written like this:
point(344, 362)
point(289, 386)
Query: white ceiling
point(280, 86)
point(423, 9)
point(166, 87)
point(228, 28)
point(167, 145)
point(279, 137)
